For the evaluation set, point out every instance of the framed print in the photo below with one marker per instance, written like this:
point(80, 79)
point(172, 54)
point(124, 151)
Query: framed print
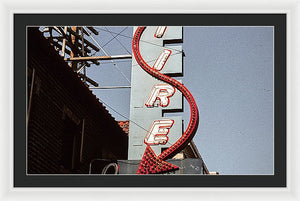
point(63, 141)
point(155, 102)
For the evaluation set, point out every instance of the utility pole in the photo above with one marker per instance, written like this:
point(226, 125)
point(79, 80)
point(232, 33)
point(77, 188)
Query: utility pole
point(73, 40)
point(76, 49)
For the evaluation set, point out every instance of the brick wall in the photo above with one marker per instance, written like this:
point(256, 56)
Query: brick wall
point(61, 101)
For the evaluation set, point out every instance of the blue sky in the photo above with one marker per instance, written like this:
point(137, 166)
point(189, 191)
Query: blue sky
point(229, 71)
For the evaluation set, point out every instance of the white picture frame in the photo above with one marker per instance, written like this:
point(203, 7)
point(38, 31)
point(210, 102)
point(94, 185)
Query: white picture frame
point(291, 192)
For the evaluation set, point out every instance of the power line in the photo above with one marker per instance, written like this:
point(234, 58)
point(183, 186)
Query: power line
point(125, 116)
point(140, 40)
point(114, 64)
point(115, 37)
point(122, 115)
point(138, 64)
point(119, 34)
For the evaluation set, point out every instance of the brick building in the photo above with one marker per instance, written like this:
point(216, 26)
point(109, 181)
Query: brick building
point(67, 126)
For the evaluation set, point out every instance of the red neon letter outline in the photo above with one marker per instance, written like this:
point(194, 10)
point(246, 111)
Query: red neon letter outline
point(158, 132)
point(162, 92)
point(162, 59)
point(194, 116)
point(160, 31)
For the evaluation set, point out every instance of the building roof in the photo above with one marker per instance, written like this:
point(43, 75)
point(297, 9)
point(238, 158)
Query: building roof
point(68, 78)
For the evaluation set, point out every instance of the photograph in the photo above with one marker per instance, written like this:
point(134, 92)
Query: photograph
point(201, 97)
point(189, 102)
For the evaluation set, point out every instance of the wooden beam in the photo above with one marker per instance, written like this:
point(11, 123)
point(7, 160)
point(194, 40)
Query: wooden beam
point(69, 38)
point(79, 44)
point(89, 80)
point(99, 58)
point(60, 46)
point(78, 48)
point(64, 43)
point(86, 41)
point(93, 30)
point(74, 48)
point(73, 51)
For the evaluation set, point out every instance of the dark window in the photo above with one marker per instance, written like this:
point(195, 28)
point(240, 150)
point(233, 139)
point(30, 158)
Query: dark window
point(71, 142)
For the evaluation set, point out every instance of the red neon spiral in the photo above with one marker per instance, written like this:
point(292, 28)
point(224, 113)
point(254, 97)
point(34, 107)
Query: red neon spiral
point(194, 117)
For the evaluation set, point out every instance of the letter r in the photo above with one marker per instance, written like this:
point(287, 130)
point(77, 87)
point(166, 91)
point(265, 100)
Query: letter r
point(162, 92)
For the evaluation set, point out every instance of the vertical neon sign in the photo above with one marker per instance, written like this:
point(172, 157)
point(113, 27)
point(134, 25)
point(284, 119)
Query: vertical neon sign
point(161, 130)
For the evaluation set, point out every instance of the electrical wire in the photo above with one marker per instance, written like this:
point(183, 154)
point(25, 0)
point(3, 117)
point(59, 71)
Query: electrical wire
point(124, 116)
point(112, 61)
point(178, 52)
point(115, 37)
point(97, 28)
point(138, 64)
